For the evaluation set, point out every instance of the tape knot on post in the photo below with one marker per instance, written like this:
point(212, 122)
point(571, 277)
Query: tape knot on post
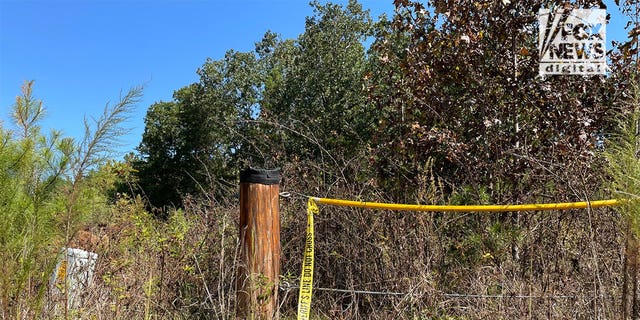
point(312, 207)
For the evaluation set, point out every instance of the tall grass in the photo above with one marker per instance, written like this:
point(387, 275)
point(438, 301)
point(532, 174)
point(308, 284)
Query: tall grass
point(624, 171)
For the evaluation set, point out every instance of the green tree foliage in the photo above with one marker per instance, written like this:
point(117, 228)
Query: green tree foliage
point(46, 194)
point(290, 99)
point(32, 166)
point(456, 82)
point(159, 173)
point(192, 142)
point(320, 87)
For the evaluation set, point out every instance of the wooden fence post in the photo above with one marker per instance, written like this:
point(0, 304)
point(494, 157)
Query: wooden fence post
point(259, 267)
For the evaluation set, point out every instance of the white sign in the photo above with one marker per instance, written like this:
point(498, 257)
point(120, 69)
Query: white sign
point(73, 275)
point(572, 41)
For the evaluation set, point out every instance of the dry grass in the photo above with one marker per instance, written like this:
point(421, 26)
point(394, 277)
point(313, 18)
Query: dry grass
point(542, 265)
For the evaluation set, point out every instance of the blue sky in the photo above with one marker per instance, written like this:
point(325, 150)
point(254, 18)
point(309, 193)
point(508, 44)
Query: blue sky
point(83, 54)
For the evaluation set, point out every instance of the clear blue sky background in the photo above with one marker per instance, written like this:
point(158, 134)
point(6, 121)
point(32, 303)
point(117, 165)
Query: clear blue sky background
point(82, 54)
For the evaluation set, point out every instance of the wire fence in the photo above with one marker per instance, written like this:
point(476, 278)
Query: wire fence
point(551, 299)
point(287, 286)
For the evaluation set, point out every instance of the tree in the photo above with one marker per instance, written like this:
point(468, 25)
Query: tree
point(314, 85)
point(458, 88)
point(192, 142)
point(291, 99)
point(32, 167)
point(45, 195)
point(158, 171)
point(458, 84)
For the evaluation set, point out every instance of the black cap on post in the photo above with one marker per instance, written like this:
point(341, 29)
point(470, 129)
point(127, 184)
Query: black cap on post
point(261, 176)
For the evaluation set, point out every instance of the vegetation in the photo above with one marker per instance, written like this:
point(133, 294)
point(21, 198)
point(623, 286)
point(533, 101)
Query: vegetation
point(49, 191)
point(440, 103)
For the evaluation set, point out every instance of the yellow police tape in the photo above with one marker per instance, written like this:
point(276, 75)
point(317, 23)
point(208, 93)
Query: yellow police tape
point(469, 208)
point(306, 280)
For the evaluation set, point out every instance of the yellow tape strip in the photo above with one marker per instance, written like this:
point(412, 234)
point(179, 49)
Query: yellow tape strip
point(306, 279)
point(470, 208)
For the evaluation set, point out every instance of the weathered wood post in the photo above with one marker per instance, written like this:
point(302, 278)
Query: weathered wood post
point(259, 267)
